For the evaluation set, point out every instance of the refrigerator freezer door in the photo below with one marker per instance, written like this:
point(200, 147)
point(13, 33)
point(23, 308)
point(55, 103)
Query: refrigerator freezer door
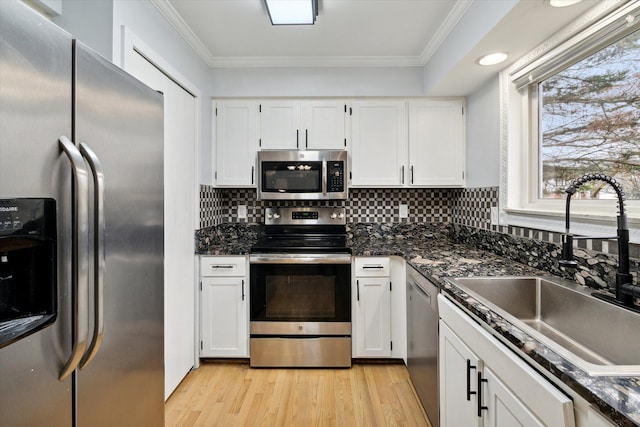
point(121, 121)
point(35, 110)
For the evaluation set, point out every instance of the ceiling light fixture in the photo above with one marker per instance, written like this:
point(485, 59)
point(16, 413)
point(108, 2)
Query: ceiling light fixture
point(563, 3)
point(292, 12)
point(492, 58)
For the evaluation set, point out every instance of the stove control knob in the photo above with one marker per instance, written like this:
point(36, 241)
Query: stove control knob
point(341, 215)
point(269, 216)
point(276, 215)
point(334, 215)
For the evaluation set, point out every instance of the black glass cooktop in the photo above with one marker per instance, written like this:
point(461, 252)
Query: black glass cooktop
point(335, 244)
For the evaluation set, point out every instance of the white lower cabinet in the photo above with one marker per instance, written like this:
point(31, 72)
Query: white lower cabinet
point(507, 408)
point(483, 383)
point(224, 302)
point(372, 317)
point(371, 303)
point(458, 366)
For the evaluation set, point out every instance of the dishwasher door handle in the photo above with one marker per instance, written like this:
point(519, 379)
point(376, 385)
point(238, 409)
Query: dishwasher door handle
point(422, 290)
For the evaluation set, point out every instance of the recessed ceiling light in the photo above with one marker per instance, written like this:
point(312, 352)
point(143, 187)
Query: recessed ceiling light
point(563, 3)
point(492, 58)
point(292, 12)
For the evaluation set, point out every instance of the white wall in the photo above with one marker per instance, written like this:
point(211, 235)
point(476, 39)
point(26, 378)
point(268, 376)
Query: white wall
point(321, 81)
point(98, 24)
point(148, 25)
point(90, 22)
point(483, 136)
point(479, 19)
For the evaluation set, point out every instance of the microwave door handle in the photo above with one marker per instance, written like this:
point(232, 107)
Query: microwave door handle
point(99, 260)
point(80, 257)
point(325, 178)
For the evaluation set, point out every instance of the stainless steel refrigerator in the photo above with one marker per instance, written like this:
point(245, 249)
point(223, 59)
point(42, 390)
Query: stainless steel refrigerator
point(75, 128)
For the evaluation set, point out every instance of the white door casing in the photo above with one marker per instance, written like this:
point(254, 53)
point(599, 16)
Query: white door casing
point(181, 116)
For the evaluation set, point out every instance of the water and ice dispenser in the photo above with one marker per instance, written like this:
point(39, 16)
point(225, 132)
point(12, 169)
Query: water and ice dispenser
point(28, 294)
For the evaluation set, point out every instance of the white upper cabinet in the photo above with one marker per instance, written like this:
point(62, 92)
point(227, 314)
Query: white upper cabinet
point(235, 147)
point(324, 125)
point(436, 143)
point(280, 125)
point(379, 143)
point(295, 124)
point(392, 142)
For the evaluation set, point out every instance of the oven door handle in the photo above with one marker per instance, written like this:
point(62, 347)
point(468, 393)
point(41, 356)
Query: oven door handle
point(300, 259)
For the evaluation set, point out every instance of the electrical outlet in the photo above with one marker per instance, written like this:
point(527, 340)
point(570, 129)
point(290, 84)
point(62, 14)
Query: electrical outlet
point(403, 211)
point(242, 211)
point(495, 215)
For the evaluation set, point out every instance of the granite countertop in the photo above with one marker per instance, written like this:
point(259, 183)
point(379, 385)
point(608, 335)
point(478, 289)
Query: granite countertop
point(427, 248)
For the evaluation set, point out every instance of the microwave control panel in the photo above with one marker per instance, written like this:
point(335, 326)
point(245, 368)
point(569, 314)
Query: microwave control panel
point(335, 178)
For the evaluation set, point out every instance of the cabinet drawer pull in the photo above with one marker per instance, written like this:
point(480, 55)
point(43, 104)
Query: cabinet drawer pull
point(220, 266)
point(469, 368)
point(480, 381)
point(372, 267)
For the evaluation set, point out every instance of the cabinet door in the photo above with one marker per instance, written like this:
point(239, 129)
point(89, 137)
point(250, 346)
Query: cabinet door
point(504, 409)
point(436, 143)
point(372, 317)
point(458, 368)
point(379, 143)
point(280, 125)
point(528, 388)
point(224, 317)
point(323, 125)
point(235, 149)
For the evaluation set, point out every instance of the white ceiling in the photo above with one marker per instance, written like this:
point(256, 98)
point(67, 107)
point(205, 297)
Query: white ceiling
point(238, 33)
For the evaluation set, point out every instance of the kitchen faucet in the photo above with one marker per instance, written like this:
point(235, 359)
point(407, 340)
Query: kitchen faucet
point(626, 291)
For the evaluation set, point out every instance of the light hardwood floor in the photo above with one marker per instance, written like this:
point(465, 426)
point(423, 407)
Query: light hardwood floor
point(232, 394)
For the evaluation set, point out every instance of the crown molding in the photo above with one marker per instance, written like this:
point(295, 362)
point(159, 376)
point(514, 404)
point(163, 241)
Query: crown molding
point(450, 22)
point(317, 61)
point(176, 21)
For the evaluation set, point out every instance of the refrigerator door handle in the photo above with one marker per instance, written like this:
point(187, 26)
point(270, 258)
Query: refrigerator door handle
point(99, 260)
point(80, 257)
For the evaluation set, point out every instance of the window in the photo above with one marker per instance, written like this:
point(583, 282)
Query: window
point(589, 121)
point(572, 106)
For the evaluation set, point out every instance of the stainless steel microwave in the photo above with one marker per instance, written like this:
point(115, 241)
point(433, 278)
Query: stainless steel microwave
point(302, 175)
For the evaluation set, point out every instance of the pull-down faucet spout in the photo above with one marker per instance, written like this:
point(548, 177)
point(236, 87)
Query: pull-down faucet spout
point(626, 291)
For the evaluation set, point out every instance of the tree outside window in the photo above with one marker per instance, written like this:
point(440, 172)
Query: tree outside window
point(590, 122)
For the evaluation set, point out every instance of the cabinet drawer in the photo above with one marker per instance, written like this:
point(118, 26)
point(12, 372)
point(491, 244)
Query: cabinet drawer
point(372, 267)
point(223, 266)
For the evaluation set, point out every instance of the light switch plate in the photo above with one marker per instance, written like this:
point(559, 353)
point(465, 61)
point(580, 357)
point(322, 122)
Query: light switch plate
point(495, 216)
point(242, 211)
point(403, 211)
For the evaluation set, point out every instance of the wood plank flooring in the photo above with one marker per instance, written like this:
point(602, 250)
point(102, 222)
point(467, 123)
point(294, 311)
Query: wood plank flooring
point(232, 394)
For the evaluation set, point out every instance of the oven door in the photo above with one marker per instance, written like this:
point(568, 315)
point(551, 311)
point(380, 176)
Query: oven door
point(300, 310)
point(300, 288)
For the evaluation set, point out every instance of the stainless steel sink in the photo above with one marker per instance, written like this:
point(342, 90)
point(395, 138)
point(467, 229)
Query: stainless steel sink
point(599, 337)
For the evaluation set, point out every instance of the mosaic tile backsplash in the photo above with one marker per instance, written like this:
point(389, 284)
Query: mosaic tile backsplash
point(469, 209)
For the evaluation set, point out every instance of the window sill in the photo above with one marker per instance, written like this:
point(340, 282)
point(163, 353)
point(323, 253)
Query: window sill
point(581, 223)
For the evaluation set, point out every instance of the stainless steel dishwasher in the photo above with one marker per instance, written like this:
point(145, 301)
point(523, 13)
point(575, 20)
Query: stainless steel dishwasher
point(422, 338)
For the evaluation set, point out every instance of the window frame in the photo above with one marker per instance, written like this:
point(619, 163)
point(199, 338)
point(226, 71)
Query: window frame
point(519, 102)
